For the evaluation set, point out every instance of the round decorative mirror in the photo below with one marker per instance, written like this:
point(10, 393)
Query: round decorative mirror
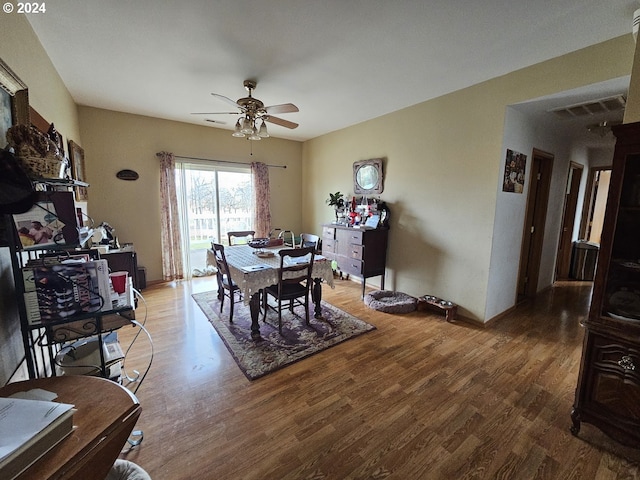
point(367, 177)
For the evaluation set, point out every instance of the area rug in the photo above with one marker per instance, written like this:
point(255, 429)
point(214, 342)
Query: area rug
point(273, 351)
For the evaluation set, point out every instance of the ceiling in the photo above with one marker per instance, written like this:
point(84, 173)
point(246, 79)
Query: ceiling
point(340, 61)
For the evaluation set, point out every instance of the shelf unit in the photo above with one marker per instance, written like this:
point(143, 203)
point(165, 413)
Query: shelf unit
point(43, 340)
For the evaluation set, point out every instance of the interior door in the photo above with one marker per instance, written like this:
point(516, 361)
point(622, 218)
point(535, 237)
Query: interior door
point(563, 259)
point(533, 235)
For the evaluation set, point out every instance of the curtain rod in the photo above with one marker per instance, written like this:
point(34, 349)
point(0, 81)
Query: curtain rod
point(223, 161)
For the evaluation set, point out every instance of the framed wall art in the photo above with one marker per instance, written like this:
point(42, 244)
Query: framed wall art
point(14, 102)
point(76, 154)
point(514, 170)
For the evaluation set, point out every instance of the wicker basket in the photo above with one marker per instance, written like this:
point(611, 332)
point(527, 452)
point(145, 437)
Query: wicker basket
point(44, 167)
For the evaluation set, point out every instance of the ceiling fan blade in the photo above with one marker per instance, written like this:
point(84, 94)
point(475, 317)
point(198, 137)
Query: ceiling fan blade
point(215, 113)
point(226, 99)
point(215, 121)
point(283, 108)
point(280, 121)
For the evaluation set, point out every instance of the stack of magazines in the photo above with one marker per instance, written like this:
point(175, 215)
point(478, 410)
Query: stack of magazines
point(73, 287)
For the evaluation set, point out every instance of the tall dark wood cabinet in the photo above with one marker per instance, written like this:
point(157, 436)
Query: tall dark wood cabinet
point(608, 391)
point(362, 253)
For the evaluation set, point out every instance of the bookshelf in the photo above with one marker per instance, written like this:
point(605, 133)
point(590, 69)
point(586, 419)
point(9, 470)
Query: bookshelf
point(44, 337)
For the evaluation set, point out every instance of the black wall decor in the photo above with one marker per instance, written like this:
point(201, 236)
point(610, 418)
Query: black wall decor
point(127, 175)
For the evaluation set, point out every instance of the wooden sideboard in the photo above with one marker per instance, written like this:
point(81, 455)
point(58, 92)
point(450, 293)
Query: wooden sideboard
point(362, 253)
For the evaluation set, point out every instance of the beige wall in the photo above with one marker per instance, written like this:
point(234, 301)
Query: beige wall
point(114, 141)
point(22, 51)
point(442, 170)
point(632, 112)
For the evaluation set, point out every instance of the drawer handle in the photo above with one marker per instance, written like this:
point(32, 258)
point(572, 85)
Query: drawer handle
point(626, 363)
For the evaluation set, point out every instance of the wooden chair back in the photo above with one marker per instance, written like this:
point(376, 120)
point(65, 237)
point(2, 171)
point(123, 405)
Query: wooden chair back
point(296, 265)
point(240, 237)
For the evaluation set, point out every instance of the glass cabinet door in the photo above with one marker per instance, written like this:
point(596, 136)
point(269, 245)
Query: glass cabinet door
point(622, 294)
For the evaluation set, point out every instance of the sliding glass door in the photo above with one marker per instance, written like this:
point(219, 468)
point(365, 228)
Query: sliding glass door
point(213, 199)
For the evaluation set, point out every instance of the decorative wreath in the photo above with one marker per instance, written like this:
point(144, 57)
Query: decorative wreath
point(389, 301)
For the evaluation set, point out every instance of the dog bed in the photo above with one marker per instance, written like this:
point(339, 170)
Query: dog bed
point(389, 301)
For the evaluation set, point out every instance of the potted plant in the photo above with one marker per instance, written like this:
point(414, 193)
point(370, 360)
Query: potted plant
point(336, 200)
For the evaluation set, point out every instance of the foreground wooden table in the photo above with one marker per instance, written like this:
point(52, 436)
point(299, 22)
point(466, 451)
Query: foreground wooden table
point(106, 414)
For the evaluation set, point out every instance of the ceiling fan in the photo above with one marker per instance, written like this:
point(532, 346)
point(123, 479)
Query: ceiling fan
point(252, 110)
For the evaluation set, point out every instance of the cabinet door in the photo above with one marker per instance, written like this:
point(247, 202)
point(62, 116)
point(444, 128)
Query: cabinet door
point(616, 378)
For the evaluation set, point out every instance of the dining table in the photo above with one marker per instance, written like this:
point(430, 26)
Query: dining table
point(254, 269)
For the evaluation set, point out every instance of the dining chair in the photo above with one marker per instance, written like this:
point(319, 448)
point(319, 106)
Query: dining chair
point(294, 283)
point(309, 240)
point(226, 286)
point(240, 237)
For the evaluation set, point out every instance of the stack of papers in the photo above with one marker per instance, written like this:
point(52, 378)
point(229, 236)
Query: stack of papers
point(255, 268)
point(28, 430)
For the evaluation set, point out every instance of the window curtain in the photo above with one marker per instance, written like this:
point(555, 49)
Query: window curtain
point(172, 268)
point(262, 195)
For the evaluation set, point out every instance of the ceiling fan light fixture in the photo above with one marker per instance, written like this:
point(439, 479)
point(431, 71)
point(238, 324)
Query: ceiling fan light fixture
point(263, 130)
point(247, 125)
point(237, 132)
point(255, 136)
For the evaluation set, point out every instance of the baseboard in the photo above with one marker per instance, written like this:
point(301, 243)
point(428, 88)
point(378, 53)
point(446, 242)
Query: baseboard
point(500, 316)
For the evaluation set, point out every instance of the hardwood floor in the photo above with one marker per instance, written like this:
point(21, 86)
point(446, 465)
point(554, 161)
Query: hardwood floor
point(418, 398)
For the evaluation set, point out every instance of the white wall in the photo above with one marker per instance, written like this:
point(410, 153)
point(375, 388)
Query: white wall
point(523, 135)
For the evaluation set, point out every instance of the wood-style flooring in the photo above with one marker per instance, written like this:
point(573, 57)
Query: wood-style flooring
point(418, 398)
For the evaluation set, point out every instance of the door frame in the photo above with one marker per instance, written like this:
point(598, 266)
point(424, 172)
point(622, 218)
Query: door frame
point(569, 209)
point(590, 196)
point(534, 224)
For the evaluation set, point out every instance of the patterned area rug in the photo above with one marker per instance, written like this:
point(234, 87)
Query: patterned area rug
point(274, 351)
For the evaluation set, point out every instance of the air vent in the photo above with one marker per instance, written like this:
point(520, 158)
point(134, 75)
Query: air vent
point(594, 107)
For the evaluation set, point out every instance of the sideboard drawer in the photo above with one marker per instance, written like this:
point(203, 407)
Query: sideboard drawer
point(328, 233)
point(355, 251)
point(352, 266)
point(355, 236)
point(328, 245)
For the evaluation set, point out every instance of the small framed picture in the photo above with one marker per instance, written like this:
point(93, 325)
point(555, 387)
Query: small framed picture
point(76, 154)
point(372, 221)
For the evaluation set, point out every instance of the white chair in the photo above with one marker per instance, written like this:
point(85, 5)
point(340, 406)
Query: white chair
point(309, 240)
point(242, 237)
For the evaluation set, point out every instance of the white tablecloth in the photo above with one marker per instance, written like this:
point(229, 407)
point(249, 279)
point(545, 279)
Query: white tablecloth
point(243, 256)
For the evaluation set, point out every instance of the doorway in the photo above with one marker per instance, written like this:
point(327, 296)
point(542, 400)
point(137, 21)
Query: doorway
point(212, 200)
point(594, 203)
point(563, 262)
point(533, 235)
